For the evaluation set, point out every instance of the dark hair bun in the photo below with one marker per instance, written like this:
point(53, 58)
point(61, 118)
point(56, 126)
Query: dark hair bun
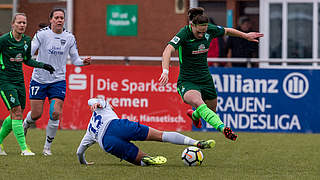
point(193, 12)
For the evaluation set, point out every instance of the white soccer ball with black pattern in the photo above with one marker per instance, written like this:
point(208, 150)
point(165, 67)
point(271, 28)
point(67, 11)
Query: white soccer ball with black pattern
point(192, 156)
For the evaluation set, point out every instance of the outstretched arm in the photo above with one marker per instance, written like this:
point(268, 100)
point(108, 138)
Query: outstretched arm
point(74, 55)
point(86, 142)
point(166, 55)
point(251, 36)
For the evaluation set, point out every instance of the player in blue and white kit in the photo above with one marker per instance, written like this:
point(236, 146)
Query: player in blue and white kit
point(114, 136)
point(54, 44)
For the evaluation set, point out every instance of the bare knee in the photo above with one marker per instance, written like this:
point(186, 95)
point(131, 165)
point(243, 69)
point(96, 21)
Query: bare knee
point(154, 135)
point(56, 115)
point(16, 113)
point(35, 115)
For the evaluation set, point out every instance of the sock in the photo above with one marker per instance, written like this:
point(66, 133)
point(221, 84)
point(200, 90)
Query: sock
point(51, 132)
point(210, 116)
point(19, 133)
point(195, 115)
point(6, 128)
point(142, 163)
point(177, 138)
point(29, 119)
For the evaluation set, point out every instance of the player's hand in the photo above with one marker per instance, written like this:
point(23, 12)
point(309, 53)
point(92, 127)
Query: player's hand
point(164, 79)
point(49, 68)
point(87, 61)
point(95, 106)
point(252, 36)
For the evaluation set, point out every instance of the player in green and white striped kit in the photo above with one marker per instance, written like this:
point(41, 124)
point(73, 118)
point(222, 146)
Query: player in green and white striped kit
point(195, 84)
point(15, 48)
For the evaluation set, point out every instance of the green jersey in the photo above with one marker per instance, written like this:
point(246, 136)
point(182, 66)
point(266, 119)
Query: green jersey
point(193, 53)
point(12, 54)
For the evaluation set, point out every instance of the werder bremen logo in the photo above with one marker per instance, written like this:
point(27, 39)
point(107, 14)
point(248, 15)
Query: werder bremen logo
point(18, 58)
point(207, 36)
point(12, 99)
point(25, 46)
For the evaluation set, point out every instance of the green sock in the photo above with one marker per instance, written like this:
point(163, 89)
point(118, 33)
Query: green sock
point(210, 116)
point(6, 128)
point(19, 133)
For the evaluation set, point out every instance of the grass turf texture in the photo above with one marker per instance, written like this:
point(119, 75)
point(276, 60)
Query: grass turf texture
point(253, 156)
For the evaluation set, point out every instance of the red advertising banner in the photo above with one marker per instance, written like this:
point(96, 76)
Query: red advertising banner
point(133, 91)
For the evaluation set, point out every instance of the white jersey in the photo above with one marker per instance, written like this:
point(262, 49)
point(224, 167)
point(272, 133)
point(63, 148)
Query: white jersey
point(97, 126)
point(54, 49)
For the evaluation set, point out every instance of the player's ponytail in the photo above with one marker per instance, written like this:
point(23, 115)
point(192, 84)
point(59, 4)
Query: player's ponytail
point(197, 16)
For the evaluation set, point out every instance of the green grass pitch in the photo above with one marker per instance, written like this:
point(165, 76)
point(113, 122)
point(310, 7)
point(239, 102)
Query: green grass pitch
point(254, 156)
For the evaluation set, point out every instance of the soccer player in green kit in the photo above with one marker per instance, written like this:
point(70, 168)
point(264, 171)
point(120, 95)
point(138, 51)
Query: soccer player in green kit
point(15, 48)
point(195, 83)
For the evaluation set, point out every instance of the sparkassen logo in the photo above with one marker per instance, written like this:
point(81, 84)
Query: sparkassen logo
point(295, 85)
point(77, 81)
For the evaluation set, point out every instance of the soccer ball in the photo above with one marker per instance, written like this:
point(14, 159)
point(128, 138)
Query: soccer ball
point(192, 156)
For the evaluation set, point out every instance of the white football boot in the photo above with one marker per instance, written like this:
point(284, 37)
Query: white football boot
point(27, 152)
point(47, 152)
point(2, 152)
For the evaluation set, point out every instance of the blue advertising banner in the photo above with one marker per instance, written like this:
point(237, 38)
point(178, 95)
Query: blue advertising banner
point(267, 100)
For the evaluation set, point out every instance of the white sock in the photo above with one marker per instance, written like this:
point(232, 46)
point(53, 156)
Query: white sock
point(177, 138)
point(29, 119)
point(51, 132)
point(142, 163)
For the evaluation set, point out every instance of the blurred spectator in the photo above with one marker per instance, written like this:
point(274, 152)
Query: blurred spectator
point(242, 48)
point(217, 49)
point(1, 33)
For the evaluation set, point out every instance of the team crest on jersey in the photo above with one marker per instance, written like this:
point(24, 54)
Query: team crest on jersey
point(25, 46)
point(63, 42)
point(175, 39)
point(12, 99)
point(207, 36)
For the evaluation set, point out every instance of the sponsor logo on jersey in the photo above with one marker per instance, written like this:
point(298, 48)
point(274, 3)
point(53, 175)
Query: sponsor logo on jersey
point(18, 58)
point(201, 49)
point(175, 40)
point(63, 42)
point(55, 50)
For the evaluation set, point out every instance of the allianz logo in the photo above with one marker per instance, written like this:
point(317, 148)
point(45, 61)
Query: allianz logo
point(295, 85)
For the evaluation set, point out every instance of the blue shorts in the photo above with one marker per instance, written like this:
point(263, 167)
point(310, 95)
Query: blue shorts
point(50, 90)
point(118, 135)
